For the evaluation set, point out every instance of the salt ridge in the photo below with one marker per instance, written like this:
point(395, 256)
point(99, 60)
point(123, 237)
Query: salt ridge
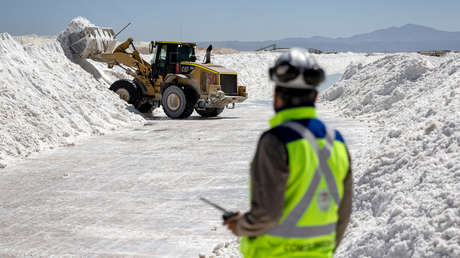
point(252, 68)
point(407, 185)
point(49, 101)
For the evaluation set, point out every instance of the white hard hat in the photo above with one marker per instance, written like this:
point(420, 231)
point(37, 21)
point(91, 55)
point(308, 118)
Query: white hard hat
point(296, 69)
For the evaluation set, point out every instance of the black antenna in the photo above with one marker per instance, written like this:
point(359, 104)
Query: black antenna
point(227, 214)
point(122, 29)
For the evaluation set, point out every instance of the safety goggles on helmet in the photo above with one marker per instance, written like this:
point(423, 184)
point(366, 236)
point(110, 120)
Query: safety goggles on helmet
point(295, 69)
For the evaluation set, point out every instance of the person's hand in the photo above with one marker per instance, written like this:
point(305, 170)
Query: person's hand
point(231, 222)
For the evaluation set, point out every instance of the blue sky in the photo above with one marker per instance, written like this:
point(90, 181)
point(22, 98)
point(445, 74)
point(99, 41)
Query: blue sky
point(227, 20)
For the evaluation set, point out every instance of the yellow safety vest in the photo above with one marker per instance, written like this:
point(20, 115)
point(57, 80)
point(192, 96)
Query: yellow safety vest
point(318, 164)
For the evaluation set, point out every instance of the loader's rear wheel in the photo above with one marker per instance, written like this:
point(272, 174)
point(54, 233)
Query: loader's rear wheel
point(178, 103)
point(127, 90)
point(209, 112)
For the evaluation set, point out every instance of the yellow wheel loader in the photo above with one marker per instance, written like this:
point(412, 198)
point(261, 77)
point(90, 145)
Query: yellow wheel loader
point(173, 80)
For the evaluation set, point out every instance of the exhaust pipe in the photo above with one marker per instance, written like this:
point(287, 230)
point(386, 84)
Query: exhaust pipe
point(207, 58)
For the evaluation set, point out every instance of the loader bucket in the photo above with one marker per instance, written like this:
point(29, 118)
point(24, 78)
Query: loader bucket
point(92, 41)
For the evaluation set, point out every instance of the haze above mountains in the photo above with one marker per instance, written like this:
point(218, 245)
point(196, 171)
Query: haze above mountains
point(410, 37)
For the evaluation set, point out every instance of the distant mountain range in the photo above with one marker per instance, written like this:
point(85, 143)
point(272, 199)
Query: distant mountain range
point(409, 37)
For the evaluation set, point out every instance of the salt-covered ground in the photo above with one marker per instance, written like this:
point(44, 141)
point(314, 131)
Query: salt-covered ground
point(134, 191)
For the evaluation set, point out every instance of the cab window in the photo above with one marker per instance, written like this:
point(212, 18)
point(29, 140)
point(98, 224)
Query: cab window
point(186, 53)
point(162, 57)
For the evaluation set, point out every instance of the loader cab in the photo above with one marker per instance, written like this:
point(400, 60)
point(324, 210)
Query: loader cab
point(168, 56)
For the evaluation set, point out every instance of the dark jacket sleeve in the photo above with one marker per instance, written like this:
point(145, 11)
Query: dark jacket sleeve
point(345, 205)
point(269, 175)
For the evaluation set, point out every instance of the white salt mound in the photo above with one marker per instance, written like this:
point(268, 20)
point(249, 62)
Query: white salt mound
point(47, 100)
point(407, 186)
point(33, 39)
point(252, 68)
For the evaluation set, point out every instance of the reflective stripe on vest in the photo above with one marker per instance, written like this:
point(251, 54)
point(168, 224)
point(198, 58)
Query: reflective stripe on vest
point(289, 227)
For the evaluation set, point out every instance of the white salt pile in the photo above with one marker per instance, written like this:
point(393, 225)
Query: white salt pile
point(47, 100)
point(252, 68)
point(33, 39)
point(407, 186)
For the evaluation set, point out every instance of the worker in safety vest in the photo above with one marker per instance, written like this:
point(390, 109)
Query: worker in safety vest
point(301, 181)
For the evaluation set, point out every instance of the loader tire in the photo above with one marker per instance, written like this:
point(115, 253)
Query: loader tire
point(177, 102)
point(209, 112)
point(126, 90)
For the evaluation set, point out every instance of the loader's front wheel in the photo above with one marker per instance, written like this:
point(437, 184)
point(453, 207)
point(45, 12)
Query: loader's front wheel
point(177, 102)
point(126, 89)
point(209, 112)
